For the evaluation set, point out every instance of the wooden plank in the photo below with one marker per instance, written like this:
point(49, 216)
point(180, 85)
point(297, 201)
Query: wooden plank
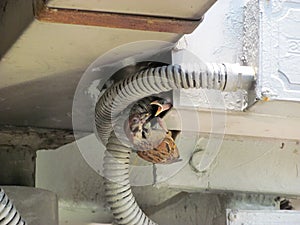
point(118, 20)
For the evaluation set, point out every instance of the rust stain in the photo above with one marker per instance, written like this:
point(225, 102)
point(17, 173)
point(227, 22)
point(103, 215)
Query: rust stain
point(265, 99)
point(117, 20)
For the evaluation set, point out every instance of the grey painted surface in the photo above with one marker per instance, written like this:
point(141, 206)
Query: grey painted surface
point(17, 166)
point(253, 165)
point(40, 73)
point(249, 165)
point(44, 102)
point(36, 206)
point(15, 16)
point(80, 189)
point(196, 208)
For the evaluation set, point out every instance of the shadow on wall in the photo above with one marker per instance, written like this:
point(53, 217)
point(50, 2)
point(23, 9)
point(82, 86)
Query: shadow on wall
point(45, 102)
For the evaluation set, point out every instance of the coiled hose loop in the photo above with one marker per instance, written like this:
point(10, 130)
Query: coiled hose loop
point(117, 186)
point(149, 82)
point(8, 213)
point(111, 105)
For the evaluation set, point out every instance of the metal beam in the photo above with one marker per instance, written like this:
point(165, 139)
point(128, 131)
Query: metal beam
point(252, 123)
point(15, 16)
point(243, 165)
point(118, 20)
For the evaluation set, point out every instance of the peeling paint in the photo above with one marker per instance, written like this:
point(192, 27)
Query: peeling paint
point(251, 33)
point(93, 90)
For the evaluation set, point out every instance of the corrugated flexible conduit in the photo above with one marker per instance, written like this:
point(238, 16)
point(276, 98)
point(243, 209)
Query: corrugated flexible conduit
point(137, 86)
point(8, 212)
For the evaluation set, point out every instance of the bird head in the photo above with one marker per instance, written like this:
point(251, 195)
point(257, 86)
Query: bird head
point(136, 121)
point(161, 107)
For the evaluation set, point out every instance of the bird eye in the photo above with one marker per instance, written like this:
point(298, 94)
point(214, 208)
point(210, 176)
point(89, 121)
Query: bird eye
point(134, 119)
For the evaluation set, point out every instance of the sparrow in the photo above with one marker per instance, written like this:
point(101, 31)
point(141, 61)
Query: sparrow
point(165, 153)
point(151, 144)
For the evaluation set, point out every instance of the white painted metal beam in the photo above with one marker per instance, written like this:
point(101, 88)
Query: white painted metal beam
point(275, 120)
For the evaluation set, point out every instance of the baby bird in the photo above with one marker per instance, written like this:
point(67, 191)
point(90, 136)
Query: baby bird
point(151, 144)
point(165, 153)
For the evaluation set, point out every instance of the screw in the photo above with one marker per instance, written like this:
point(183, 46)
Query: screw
point(232, 216)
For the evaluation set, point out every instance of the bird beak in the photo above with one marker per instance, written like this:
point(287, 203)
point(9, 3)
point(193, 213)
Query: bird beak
point(161, 107)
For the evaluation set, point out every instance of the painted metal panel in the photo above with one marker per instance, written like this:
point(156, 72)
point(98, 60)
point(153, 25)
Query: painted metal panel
point(15, 16)
point(279, 76)
point(192, 9)
point(39, 74)
point(243, 164)
point(262, 217)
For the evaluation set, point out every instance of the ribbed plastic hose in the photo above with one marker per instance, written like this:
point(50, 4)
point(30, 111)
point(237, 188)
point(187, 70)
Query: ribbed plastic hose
point(149, 82)
point(117, 187)
point(8, 213)
point(117, 98)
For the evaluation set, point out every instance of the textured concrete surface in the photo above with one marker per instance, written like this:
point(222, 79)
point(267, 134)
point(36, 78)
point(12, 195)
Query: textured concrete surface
point(18, 146)
point(17, 166)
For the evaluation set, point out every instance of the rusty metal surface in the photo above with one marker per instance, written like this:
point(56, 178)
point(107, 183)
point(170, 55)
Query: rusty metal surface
point(32, 139)
point(188, 9)
point(118, 20)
